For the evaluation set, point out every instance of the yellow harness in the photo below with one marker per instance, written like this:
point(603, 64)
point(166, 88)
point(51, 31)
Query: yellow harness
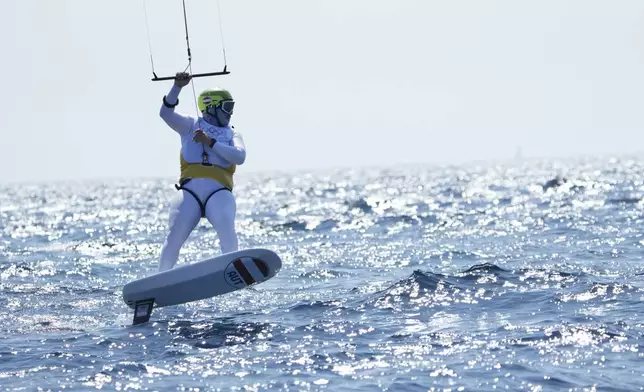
point(224, 175)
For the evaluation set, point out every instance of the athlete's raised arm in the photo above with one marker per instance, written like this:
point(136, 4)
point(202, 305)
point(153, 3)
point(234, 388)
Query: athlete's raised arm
point(179, 122)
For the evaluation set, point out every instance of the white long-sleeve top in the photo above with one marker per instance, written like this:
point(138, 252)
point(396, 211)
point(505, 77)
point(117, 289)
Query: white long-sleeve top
point(229, 149)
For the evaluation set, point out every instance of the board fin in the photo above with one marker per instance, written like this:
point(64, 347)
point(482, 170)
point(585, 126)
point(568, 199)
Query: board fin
point(142, 311)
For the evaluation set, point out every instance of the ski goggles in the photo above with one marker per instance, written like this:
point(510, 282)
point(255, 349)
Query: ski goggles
point(226, 107)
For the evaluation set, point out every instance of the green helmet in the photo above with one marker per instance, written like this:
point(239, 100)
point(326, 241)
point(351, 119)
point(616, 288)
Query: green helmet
point(212, 97)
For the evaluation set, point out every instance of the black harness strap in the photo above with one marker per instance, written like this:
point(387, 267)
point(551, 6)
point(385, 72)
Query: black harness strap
point(201, 205)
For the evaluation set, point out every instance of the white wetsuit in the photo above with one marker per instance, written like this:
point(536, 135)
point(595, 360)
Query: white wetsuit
point(219, 207)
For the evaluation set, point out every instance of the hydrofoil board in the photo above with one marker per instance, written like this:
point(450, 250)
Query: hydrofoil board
point(204, 279)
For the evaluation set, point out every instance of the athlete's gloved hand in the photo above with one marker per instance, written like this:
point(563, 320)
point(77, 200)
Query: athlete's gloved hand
point(182, 79)
point(201, 137)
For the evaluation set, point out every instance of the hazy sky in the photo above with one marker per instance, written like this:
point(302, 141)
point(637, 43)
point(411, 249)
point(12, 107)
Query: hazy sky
point(332, 83)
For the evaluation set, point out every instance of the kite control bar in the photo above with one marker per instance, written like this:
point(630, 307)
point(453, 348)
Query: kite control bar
point(185, 22)
point(199, 75)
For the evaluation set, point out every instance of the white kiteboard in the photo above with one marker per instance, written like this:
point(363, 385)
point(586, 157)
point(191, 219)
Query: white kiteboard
point(204, 279)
